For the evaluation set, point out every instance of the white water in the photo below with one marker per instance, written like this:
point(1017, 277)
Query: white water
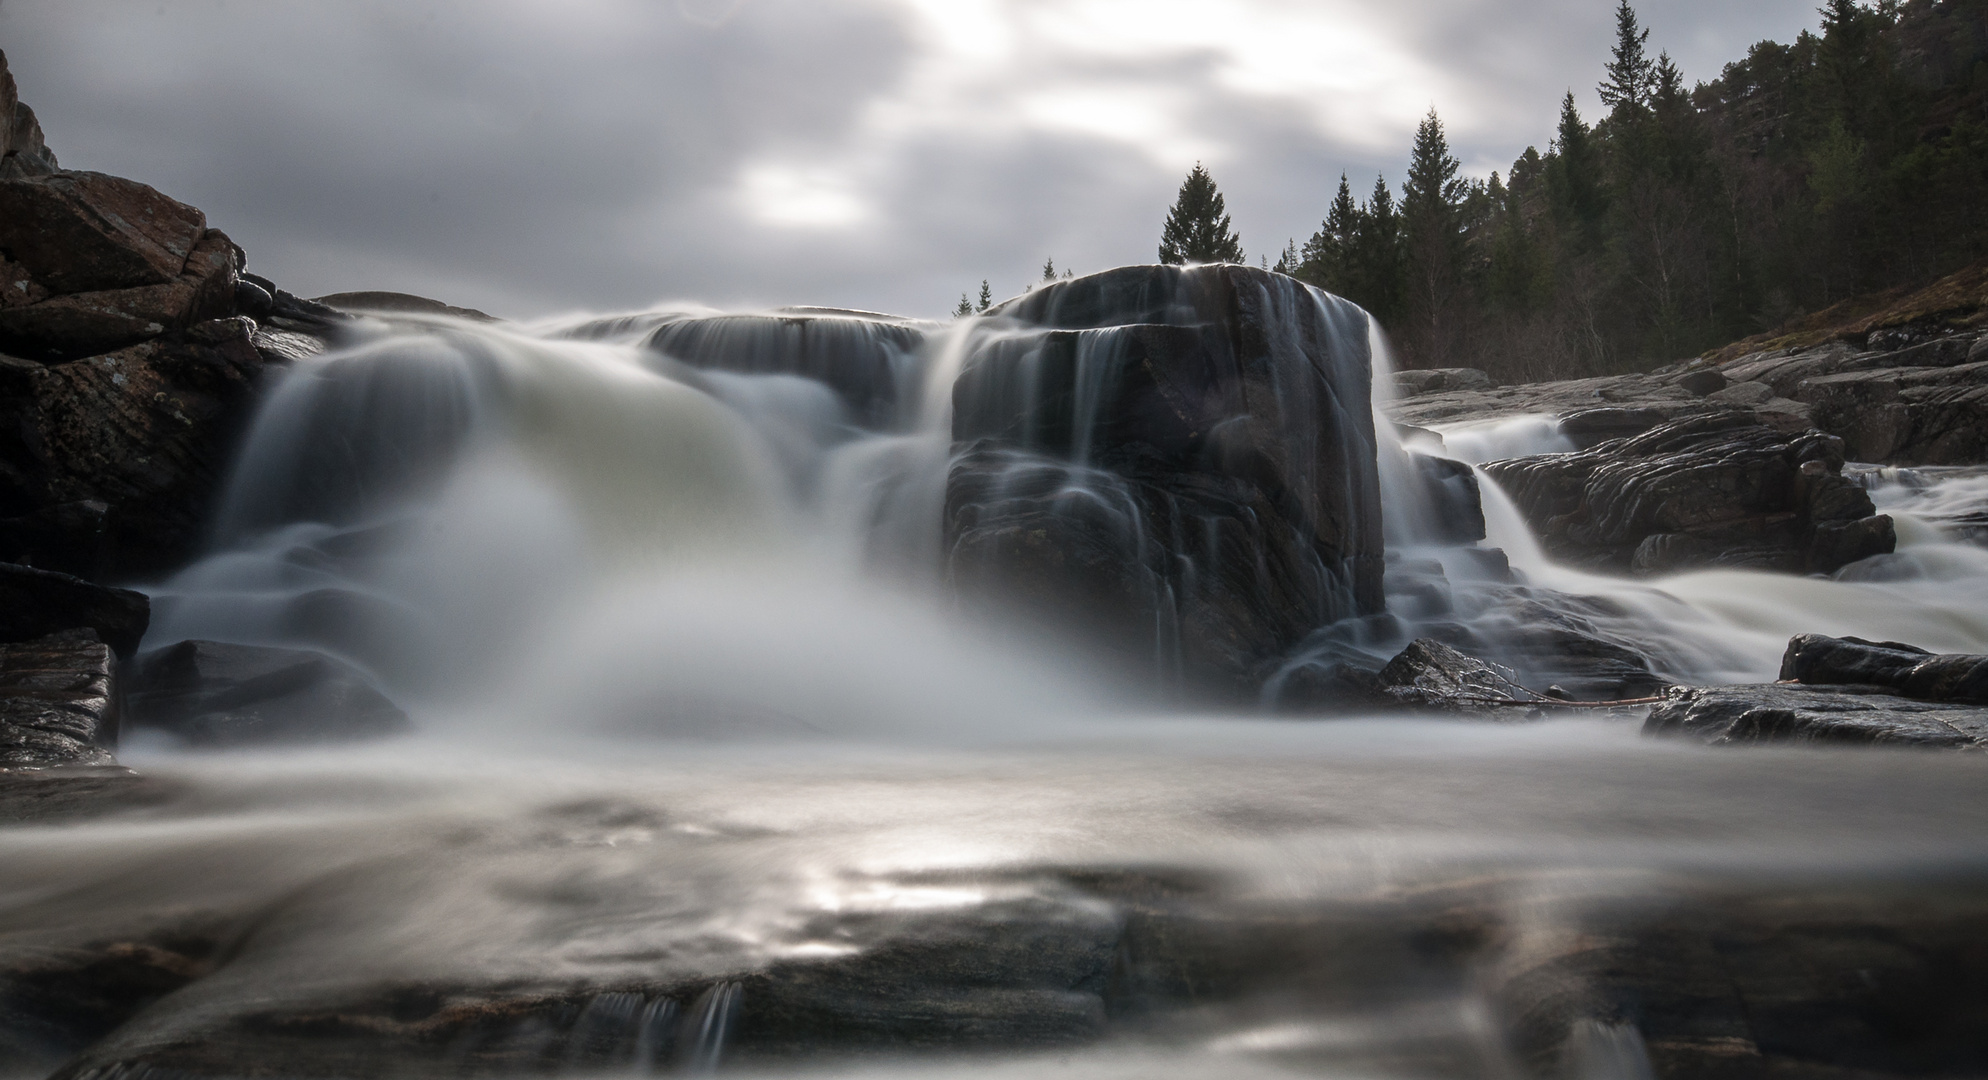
point(689, 705)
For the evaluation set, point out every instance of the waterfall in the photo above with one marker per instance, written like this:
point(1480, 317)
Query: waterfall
point(470, 511)
point(463, 508)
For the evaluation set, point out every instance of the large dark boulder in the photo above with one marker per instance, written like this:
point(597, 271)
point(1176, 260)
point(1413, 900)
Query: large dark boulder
point(85, 231)
point(58, 701)
point(1819, 660)
point(35, 603)
point(70, 325)
point(125, 372)
point(1712, 489)
point(1449, 507)
point(210, 693)
point(1180, 460)
point(1429, 674)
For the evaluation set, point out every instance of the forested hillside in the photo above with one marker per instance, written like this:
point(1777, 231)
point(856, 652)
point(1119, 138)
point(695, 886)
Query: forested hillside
point(1852, 160)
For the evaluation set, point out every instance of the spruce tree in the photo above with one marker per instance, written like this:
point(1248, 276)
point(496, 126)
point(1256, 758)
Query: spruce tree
point(1574, 177)
point(1626, 90)
point(1433, 239)
point(1290, 261)
point(1327, 257)
point(965, 307)
point(1049, 269)
point(1375, 270)
point(1198, 228)
point(986, 296)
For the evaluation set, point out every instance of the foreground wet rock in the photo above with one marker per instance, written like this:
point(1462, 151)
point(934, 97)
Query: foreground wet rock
point(1430, 674)
point(1715, 489)
point(1180, 461)
point(214, 694)
point(58, 701)
point(1843, 691)
point(1819, 660)
point(1566, 974)
point(1842, 716)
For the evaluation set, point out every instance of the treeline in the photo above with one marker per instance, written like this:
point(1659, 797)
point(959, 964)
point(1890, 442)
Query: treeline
point(1852, 160)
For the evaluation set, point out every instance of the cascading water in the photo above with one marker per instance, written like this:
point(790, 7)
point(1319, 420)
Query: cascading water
point(708, 773)
point(1703, 627)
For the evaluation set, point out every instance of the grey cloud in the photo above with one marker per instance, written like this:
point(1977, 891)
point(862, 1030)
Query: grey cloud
point(531, 157)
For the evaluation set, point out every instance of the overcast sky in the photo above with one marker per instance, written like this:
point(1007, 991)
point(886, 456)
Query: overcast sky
point(528, 158)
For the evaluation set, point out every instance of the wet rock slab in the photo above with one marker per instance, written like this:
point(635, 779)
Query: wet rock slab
point(1820, 660)
point(1823, 715)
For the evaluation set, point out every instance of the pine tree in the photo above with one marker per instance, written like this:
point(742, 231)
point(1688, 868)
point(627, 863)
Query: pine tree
point(1432, 190)
point(1049, 269)
point(1667, 93)
point(1433, 239)
point(986, 296)
point(1573, 177)
point(1326, 260)
point(1290, 261)
point(1374, 271)
point(1198, 229)
point(1626, 91)
point(965, 307)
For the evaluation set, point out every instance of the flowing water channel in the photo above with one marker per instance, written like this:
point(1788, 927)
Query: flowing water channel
point(709, 773)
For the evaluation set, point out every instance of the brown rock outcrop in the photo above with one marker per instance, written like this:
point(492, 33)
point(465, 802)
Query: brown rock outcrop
point(124, 373)
point(99, 262)
point(85, 231)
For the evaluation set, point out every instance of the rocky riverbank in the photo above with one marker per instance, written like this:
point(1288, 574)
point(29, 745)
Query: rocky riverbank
point(133, 346)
